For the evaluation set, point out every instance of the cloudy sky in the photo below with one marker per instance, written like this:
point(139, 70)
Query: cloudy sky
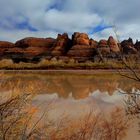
point(44, 18)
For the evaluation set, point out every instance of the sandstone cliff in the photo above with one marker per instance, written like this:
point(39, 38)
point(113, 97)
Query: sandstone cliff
point(80, 46)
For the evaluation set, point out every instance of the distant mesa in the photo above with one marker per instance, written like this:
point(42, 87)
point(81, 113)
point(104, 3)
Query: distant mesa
point(80, 48)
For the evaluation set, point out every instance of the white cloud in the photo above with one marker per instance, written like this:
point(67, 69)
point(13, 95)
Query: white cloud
point(104, 34)
point(69, 16)
point(15, 35)
point(130, 30)
point(69, 22)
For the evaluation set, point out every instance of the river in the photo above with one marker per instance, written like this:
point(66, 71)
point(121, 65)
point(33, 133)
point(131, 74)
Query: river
point(76, 101)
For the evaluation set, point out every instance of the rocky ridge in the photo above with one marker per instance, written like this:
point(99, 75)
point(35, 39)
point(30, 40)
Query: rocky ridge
point(80, 47)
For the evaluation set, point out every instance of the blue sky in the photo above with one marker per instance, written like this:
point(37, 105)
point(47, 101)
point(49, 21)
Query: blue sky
point(47, 18)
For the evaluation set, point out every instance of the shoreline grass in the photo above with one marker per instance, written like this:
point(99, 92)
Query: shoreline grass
point(6, 64)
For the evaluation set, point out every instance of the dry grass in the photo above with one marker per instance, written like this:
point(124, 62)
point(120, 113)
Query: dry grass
point(54, 64)
point(89, 127)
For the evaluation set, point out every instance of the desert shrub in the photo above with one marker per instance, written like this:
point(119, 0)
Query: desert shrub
point(71, 61)
point(6, 63)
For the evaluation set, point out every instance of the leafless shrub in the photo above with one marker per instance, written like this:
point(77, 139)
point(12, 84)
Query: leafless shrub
point(12, 114)
point(132, 101)
point(17, 122)
point(89, 127)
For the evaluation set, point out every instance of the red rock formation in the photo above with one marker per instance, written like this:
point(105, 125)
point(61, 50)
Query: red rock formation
point(128, 47)
point(103, 43)
point(61, 45)
point(80, 47)
point(103, 47)
point(80, 39)
point(93, 43)
point(4, 46)
point(35, 42)
point(81, 51)
point(113, 44)
point(32, 47)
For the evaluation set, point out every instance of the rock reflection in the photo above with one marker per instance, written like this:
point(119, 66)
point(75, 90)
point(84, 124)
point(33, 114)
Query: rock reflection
point(79, 86)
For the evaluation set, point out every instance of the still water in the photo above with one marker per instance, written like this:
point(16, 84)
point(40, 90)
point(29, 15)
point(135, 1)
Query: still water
point(76, 102)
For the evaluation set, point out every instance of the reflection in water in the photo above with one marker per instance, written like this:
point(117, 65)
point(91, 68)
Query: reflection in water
point(65, 106)
point(79, 86)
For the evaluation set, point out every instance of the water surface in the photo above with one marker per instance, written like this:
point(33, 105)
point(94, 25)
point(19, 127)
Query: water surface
point(71, 97)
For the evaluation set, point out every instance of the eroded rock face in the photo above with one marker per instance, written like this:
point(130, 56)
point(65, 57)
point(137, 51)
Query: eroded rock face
point(4, 46)
point(103, 47)
point(82, 46)
point(128, 47)
point(35, 42)
point(113, 44)
point(62, 45)
point(93, 43)
point(33, 49)
point(80, 39)
point(35, 46)
point(103, 43)
point(81, 51)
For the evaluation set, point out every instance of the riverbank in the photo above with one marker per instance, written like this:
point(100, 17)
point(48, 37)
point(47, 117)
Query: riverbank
point(58, 65)
point(70, 71)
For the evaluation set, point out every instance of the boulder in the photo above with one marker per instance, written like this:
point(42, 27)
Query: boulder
point(80, 39)
point(113, 45)
point(128, 47)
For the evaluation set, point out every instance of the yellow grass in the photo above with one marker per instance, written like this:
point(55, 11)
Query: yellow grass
point(54, 64)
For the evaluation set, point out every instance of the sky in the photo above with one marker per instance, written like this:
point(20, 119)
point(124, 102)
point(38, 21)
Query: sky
point(47, 18)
